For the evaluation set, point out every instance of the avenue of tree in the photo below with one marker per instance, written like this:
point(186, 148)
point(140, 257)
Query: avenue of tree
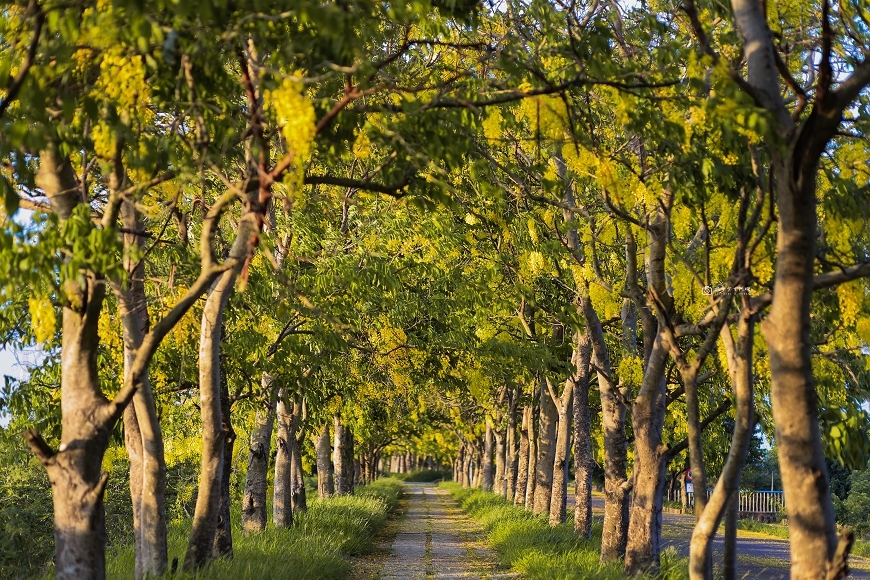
point(512, 239)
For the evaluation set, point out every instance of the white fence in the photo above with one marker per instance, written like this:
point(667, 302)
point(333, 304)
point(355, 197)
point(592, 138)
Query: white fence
point(751, 502)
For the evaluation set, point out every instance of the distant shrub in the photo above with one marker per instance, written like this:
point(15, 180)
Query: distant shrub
point(424, 475)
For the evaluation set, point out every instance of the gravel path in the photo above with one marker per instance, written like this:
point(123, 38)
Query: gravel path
point(437, 541)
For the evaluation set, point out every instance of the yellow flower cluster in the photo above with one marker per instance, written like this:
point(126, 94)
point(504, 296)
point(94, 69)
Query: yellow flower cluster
point(295, 115)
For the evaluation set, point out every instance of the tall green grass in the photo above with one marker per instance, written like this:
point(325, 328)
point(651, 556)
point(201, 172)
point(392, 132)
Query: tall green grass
point(528, 545)
point(316, 547)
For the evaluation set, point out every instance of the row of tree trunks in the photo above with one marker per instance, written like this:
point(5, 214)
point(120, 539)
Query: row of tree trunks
point(343, 458)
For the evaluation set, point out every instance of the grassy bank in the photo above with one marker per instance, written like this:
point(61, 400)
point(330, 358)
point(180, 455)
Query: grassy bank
point(528, 545)
point(317, 547)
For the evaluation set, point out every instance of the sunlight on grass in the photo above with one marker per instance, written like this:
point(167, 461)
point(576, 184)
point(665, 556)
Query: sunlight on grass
point(528, 545)
point(316, 547)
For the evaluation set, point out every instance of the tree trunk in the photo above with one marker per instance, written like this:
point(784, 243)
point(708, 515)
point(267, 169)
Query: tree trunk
point(298, 499)
point(74, 471)
point(645, 523)
point(223, 540)
point(548, 415)
point(740, 368)
point(531, 480)
point(523, 458)
point(282, 491)
point(205, 518)
point(487, 463)
point(254, 501)
point(729, 558)
point(143, 437)
point(786, 330)
point(339, 456)
point(583, 462)
point(559, 491)
point(511, 456)
point(499, 481)
point(322, 449)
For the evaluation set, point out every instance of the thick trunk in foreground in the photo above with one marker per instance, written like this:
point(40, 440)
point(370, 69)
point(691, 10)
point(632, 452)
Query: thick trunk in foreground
point(786, 330)
point(583, 461)
point(729, 549)
point(548, 415)
point(206, 514)
point(487, 463)
point(254, 501)
point(77, 483)
point(523, 459)
point(322, 449)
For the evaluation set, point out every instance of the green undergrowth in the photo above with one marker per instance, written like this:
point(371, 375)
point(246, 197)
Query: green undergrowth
point(316, 547)
point(528, 545)
point(775, 530)
point(423, 475)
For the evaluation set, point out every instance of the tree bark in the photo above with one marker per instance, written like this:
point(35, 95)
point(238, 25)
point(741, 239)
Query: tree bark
point(282, 497)
point(223, 539)
point(645, 522)
point(531, 479)
point(499, 481)
point(511, 455)
point(143, 437)
point(583, 462)
point(548, 416)
point(562, 451)
point(325, 485)
point(206, 514)
point(729, 552)
point(523, 458)
point(487, 463)
point(298, 499)
point(728, 484)
point(254, 501)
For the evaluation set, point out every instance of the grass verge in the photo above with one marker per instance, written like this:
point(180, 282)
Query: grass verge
point(528, 545)
point(775, 530)
point(318, 546)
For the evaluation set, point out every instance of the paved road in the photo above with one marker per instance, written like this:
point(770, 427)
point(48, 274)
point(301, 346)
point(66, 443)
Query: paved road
point(437, 541)
point(761, 558)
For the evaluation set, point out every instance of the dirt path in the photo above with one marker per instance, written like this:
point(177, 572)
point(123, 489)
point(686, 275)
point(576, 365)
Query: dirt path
point(437, 541)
